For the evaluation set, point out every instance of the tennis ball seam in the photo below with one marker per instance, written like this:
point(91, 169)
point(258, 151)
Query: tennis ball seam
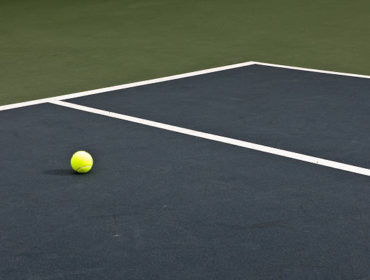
point(83, 167)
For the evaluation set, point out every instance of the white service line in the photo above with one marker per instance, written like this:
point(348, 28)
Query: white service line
point(222, 139)
point(124, 86)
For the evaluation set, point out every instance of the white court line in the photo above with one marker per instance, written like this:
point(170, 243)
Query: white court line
point(217, 138)
point(130, 85)
point(169, 78)
point(312, 70)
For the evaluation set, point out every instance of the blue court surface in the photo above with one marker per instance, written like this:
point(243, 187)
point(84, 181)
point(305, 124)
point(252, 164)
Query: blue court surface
point(251, 171)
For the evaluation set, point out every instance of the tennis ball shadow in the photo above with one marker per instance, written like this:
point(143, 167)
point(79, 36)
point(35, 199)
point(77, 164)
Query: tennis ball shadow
point(60, 172)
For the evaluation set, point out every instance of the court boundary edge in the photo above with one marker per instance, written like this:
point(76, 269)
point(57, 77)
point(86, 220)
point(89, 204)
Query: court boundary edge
point(124, 86)
point(169, 78)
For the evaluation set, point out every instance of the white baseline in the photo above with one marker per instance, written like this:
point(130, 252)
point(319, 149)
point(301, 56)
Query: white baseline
point(169, 78)
point(222, 139)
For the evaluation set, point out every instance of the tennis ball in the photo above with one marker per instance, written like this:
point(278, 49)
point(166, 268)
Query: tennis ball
point(81, 162)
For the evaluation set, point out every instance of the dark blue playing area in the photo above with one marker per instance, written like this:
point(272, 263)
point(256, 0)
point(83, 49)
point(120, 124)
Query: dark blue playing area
point(163, 205)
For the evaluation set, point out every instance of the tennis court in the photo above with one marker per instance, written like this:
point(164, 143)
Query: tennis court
point(230, 139)
point(247, 171)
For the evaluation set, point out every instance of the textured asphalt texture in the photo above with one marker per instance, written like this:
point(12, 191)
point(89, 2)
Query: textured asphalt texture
point(160, 205)
point(312, 113)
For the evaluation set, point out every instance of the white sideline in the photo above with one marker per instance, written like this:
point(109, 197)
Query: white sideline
point(130, 85)
point(169, 78)
point(217, 138)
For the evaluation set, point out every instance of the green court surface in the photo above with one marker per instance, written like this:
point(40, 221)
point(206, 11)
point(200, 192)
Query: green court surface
point(50, 48)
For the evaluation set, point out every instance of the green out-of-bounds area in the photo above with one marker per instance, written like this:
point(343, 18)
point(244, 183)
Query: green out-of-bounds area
point(55, 47)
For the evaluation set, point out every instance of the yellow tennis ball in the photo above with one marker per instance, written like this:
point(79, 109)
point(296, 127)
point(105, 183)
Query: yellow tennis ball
point(81, 162)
